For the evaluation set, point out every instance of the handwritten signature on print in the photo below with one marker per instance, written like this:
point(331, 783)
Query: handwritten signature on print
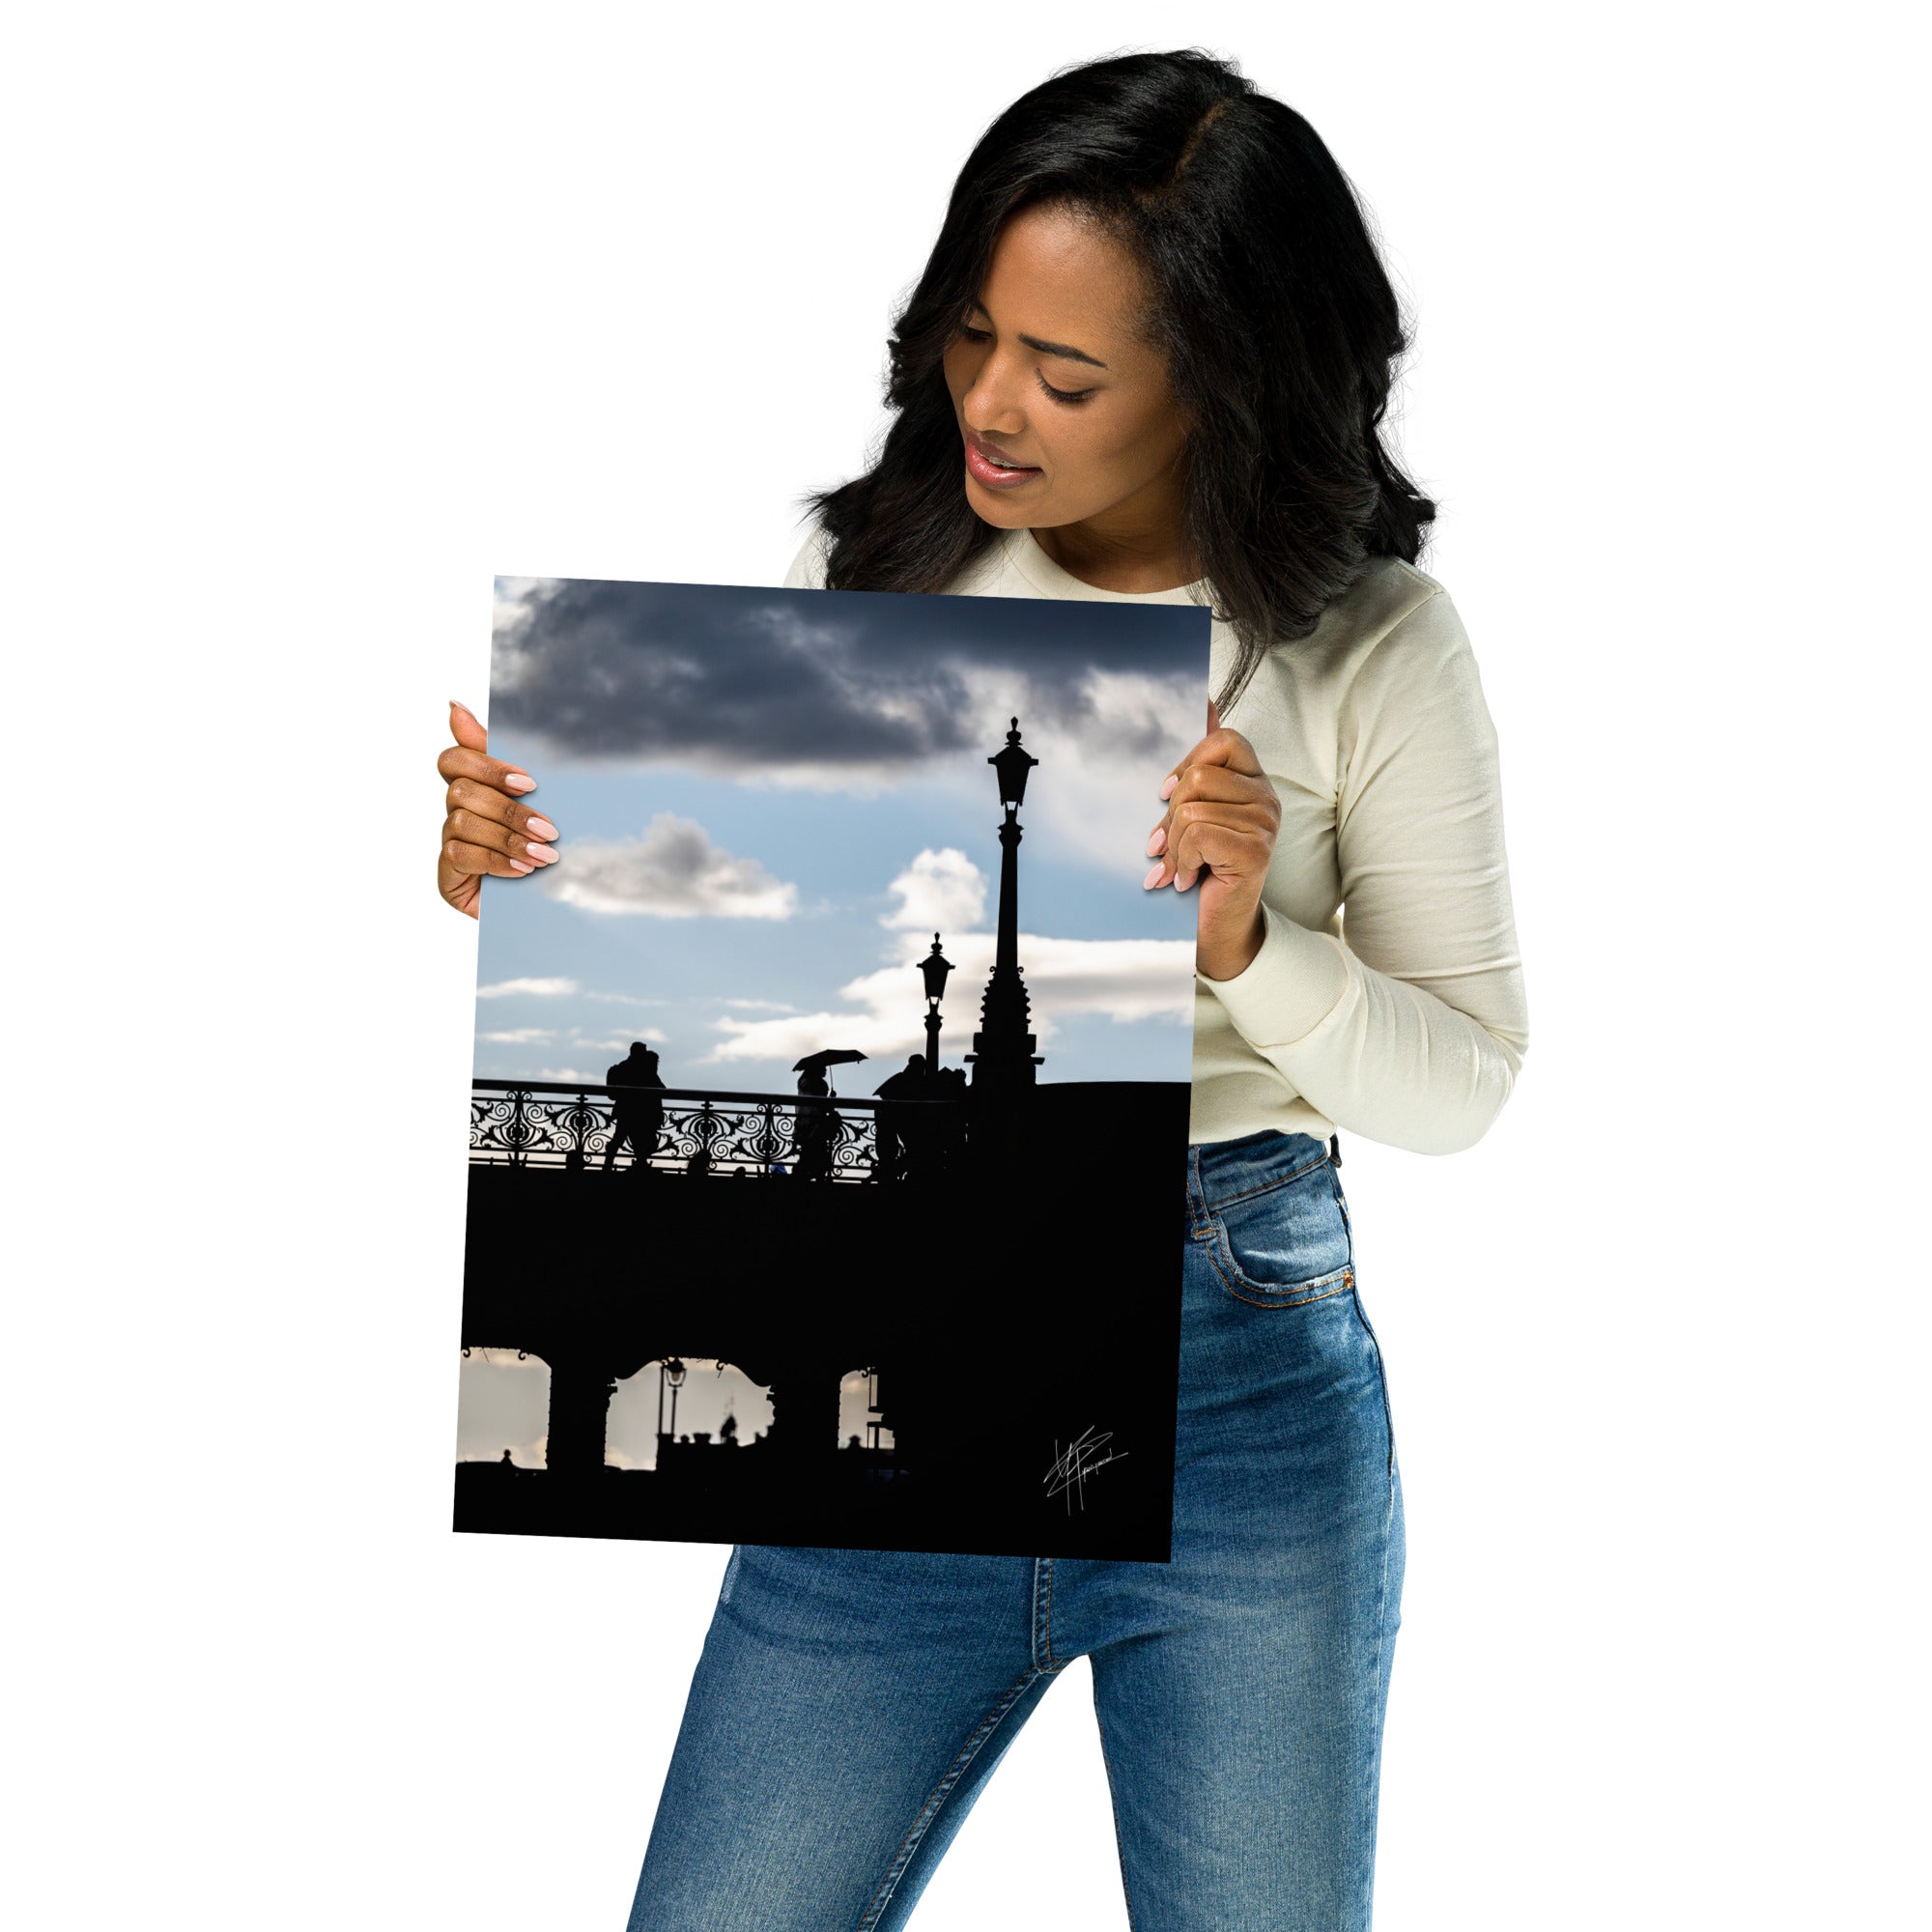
point(1077, 1462)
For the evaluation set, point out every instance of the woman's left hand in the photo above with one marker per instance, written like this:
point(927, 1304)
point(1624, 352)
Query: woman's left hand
point(1222, 817)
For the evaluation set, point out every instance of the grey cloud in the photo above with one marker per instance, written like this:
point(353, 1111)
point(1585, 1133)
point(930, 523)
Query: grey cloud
point(672, 871)
point(827, 679)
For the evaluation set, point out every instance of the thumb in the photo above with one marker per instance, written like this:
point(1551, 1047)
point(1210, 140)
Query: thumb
point(1213, 716)
point(467, 728)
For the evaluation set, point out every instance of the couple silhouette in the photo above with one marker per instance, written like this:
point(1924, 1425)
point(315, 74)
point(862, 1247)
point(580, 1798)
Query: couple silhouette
point(639, 1113)
point(911, 1141)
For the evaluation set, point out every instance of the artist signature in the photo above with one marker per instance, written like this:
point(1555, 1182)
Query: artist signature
point(1080, 1458)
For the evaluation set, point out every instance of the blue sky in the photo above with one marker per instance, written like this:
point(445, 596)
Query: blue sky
point(767, 799)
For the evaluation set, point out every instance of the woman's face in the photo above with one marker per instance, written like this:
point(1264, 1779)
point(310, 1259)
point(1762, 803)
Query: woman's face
point(1048, 373)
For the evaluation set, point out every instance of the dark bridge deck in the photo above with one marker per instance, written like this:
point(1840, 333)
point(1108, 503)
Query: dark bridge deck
point(1021, 1289)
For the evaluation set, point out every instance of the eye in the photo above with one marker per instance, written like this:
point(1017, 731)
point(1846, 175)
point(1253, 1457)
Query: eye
point(1068, 396)
point(1063, 395)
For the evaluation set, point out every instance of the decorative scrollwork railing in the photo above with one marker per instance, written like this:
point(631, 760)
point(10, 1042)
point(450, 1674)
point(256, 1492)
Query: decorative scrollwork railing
point(691, 1131)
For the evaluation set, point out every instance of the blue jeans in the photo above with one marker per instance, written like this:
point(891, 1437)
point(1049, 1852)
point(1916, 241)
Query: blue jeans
point(849, 1704)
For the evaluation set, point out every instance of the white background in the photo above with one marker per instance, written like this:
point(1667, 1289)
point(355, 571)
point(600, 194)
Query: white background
point(318, 317)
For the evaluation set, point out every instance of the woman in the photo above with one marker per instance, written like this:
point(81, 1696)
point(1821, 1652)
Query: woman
point(816, 1126)
point(1149, 359)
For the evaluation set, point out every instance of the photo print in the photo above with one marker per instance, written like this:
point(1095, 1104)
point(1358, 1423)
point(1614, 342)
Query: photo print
point(829, 1122)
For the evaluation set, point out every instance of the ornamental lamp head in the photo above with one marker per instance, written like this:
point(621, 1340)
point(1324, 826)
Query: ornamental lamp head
point(936, 966)
point(1011, 766)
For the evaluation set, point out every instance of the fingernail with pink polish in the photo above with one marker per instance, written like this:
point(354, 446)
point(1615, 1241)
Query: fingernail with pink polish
point(519, 781)
point(545, 853)
point(1167, 789)
point(1158, 841)
point(518, 865)
point(1153, 877)
point(540, 828)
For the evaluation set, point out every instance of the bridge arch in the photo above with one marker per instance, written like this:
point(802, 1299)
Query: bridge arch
point(712, 1389)
point(502, 1403)
point(862, 1424)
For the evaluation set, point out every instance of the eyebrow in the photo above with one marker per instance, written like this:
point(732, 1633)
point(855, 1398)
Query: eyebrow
point(1073, 355)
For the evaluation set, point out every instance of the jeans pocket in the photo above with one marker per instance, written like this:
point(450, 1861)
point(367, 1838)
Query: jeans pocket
point(1286, 1243)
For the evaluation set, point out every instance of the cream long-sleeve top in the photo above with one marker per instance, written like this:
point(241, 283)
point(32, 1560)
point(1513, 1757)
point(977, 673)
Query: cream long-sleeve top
point(1388, 998)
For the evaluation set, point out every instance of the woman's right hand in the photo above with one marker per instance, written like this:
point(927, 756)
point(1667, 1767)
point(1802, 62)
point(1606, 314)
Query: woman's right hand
point(487, 829)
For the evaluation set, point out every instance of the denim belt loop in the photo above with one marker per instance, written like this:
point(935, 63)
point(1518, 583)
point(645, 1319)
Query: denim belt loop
point(1197, 1194)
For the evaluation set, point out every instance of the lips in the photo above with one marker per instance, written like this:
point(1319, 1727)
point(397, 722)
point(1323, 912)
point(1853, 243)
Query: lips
point(992, 466)
point(994, 455)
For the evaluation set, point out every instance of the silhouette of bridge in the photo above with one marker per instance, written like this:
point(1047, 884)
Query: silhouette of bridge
point(981, 1245)
point(1004, 1299)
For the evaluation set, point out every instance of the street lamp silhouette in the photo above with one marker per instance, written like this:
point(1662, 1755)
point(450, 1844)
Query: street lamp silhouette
point(1002, 1056)
point(671, 1373)
point(936, 966)
point(1010, 766)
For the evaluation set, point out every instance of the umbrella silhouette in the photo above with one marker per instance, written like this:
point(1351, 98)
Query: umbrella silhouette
point(817, 1062)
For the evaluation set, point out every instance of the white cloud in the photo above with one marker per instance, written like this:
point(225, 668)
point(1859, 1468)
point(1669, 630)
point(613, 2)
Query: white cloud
point(617, 1043)
point(1127, 980)
point(796, 1035)
point(671, 871)
point(940, 892)
point(1124, 978)
point(519, 1035)
point(542, 988)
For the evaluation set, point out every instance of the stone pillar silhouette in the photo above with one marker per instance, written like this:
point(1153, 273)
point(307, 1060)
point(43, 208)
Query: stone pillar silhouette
point(805, 1411)
point(580, 1412)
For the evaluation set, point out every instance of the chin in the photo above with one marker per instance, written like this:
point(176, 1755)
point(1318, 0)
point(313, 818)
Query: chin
point(991, 507)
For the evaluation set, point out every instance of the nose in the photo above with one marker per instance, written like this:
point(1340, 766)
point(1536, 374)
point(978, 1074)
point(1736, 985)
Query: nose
point(990, 405)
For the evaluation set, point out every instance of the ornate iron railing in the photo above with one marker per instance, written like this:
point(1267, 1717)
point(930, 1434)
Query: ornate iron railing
point(692, 1131)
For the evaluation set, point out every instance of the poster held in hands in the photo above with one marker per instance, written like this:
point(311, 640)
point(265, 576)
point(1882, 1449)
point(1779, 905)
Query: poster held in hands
point(828, 1130)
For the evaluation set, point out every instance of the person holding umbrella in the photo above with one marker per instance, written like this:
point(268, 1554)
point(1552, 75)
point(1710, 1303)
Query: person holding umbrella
point(819, 1063)
point(817, 1119)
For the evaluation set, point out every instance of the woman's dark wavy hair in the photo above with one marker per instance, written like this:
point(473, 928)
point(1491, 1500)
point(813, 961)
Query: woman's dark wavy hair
point(1278, 322)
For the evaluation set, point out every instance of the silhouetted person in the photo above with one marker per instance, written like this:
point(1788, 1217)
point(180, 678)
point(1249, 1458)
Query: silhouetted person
point(817, 1123)
point(902, 1142)
point(639, 1116)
